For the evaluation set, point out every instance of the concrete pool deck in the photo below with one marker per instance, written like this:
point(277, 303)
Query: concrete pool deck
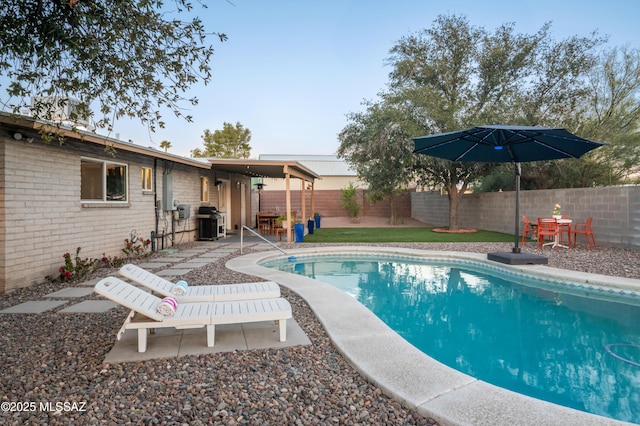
point(404, 372)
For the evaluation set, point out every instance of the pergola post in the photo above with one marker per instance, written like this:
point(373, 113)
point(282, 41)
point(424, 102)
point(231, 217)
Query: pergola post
point(303, 203)
point(287, 179)
point(313, 198)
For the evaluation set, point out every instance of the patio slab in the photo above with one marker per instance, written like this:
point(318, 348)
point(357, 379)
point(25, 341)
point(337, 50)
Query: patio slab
point(171, 259)
point(213, 255)
point(34, 307)
point(192, 252)
point(154, 265)
point(71, 292)
point(90, 283)
point(174, 272)
point(169, 342)
point(194, 264)
point(89, 306)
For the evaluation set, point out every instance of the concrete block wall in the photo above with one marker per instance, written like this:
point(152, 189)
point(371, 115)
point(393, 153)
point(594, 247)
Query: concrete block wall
point(615, 210)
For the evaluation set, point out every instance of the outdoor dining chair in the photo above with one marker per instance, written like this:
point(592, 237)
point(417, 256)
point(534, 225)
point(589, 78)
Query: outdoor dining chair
point(586, 230)
point(529, 228)
point(548, 228)
point(565, 228)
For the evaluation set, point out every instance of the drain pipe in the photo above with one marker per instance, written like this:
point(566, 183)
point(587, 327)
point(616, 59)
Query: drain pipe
point(291, 258)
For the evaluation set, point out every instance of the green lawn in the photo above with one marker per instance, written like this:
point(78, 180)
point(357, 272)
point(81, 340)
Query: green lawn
point(400, 235)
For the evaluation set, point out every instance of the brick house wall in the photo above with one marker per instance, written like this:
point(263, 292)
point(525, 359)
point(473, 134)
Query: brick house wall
point(42, 216)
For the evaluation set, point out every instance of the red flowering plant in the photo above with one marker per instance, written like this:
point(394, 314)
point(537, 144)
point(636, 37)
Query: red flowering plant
point(75, 267)
point(137, 247)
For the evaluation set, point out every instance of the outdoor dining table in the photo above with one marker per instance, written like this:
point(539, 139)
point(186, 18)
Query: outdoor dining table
point(271, 220)
point(556, 241)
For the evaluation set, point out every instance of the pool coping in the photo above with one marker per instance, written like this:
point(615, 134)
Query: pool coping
point(405, 373)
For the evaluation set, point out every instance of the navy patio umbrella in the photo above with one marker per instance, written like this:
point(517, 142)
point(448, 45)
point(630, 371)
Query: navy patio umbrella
point(506, 144)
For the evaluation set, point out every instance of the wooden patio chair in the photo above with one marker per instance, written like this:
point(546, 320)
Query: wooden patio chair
point(264, 222)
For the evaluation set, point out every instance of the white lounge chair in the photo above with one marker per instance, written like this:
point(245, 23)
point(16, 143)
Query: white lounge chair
point(202, 293)
point(144, 315)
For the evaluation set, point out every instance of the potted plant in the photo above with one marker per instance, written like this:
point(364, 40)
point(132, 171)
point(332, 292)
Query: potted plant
point(310, 225)
point(316, 218)
point(280, 220)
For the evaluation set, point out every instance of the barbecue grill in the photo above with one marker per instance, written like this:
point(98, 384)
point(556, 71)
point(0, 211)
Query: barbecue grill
point(210, 223)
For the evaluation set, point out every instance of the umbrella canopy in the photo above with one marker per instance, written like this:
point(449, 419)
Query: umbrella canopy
point(504, 144)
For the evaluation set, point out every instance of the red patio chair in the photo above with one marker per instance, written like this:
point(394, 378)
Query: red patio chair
point(548, 227)
point(584, 229)
point(565, 228)
point(529, 228)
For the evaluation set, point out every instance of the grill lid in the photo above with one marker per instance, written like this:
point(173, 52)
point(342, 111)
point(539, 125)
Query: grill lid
point(210, 210)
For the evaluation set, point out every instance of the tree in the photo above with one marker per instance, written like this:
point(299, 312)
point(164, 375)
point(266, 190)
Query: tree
point(608, 112)
point(133, 58)
point(165, 145)
point(454, 76)
point(613, 114)
point(378, 146)
point(230, 142)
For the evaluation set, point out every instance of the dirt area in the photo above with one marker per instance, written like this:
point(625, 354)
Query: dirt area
point(368, 222)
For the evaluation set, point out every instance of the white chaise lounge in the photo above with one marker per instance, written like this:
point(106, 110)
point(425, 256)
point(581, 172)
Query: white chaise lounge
point(201, 293)
point(144, 314)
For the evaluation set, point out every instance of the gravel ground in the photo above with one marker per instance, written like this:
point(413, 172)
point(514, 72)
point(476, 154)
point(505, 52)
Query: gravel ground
point(55, 358)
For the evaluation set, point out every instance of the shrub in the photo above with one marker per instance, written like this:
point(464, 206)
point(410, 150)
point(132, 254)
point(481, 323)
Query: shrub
point(349, 202)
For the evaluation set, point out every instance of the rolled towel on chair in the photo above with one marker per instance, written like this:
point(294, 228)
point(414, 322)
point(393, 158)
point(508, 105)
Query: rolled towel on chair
point(168, 306)
point(180, 288)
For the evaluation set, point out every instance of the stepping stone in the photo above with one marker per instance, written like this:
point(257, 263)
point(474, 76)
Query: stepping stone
point(213, 255)
point(90, 283)
point(34, 307)
point(153, 265)
point(195, 264)
point(171, 259)
point(71, 292)
point(189, 253)
point(90, 306)
point(173, 272)
point(225, 251)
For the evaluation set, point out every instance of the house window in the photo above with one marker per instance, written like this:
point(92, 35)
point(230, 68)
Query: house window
point(204, 189)
point(103, 180)
point(146, 179)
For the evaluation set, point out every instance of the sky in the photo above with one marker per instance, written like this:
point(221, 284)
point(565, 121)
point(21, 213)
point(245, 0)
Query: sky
point(291, 71)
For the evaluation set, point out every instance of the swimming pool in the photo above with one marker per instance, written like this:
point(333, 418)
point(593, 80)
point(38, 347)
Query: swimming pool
point(429, 387)
point(535, 340)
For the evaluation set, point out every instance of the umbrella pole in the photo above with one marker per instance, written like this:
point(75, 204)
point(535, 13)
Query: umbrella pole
point(516, 249)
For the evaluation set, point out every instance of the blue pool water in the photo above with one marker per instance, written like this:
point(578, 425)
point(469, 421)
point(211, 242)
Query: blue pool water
point(573, 346)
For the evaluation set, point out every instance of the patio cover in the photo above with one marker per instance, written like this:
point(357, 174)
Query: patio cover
point(272, 169)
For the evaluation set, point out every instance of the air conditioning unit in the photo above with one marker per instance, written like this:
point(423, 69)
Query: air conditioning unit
point(62, 110)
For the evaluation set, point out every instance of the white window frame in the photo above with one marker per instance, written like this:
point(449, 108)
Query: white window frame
point(147, 179)
point(104, 166)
